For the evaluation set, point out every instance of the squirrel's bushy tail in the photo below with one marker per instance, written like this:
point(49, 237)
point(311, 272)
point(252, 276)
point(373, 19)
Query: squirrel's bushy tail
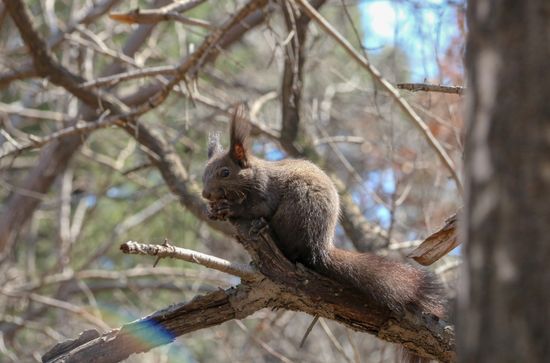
point(387, 283)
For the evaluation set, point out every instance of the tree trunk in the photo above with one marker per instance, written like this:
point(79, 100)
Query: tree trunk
point(505, 304)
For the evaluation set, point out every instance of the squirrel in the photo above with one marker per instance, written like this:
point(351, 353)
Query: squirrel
point(301, 206)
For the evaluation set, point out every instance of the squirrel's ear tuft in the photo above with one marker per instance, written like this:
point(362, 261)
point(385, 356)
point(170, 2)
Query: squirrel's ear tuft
point(214, 145)
point(240, 130)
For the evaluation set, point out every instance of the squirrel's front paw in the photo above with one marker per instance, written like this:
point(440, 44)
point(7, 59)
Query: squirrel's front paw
point(219, 210)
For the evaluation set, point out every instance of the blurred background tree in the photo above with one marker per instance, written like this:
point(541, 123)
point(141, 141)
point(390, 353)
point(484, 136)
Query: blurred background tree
point(70, 198)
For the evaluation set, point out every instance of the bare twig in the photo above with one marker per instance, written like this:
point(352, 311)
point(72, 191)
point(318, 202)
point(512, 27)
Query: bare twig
point(12, 109)
point(23, 72)
point(60, 305)
point(308, 330)
point(154, 16)
point(167, 250)
point(334, 340)
point(133, 273)
point(345, 139)
point(264, 345)
point(139, 73)
point(431, 88)
point(87, 16)
point(80, 127)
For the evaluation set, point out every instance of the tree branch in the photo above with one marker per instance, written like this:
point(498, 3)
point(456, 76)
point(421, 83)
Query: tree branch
point(80, 127)
point(213, 262)
point(280, 284)
point(415, 87)
point(162, 327)
point(292, 82)
point(438, 244)
point(138, 73)
point(169, 12)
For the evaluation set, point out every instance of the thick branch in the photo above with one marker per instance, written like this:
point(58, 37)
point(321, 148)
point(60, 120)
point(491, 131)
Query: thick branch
point(281, 285)
point(162, 327)
point(292, 82)
point(307, 291)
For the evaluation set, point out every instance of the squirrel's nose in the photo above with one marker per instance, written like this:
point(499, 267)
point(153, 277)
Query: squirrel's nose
point(206, 194)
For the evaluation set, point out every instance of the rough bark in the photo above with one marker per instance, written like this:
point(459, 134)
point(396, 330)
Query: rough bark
point(505, 302)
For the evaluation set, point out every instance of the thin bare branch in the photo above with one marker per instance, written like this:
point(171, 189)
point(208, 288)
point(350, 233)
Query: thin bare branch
point(139, 73)
point(80, 127)
point(167, 250)
point(12, 109)
point(154, 16)
point(21, 73)
point(92, 274)
point(415, 87)
point(263, 345)
point(345, 139)
point(339, 348)
point(60, 305)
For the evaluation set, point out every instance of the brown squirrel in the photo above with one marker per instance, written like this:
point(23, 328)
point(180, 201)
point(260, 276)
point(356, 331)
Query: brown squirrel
point(301, 206)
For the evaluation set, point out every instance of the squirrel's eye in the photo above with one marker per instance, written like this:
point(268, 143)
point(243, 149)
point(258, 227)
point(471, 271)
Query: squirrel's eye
point(224, 173)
